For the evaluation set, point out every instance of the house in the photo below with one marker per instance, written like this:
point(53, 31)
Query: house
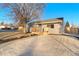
point(7, 27)
point(51, 26)
point(2, 26)
point(74, 30)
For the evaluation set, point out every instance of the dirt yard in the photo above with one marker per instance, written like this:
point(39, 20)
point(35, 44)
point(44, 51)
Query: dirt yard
point(43, 45)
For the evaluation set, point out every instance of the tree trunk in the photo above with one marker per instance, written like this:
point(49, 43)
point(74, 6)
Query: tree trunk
point(22, 27)
point(24, 31)
point(27, 28)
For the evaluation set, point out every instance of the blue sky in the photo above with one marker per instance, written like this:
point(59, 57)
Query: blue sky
point(4, 12)
point(70, 12)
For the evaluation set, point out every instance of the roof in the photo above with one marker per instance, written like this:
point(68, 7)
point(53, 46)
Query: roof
point(55, 20)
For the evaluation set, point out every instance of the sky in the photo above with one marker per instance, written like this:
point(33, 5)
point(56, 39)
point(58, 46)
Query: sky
point(69, 11)
point(4, 15)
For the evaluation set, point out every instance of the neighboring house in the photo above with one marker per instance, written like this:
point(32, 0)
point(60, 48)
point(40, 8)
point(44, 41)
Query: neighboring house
point(51, 26)
point(74, 30)
point(7, 27)
point(2, 26)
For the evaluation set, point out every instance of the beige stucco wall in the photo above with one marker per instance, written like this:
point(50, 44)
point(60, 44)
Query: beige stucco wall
point(45, 29)
point(55, 30)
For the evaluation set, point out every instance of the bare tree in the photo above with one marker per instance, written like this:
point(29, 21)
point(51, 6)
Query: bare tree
point(26, 12)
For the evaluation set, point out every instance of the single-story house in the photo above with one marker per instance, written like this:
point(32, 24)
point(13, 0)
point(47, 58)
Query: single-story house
point(2, 26)
point(7, 27)
point(74, 30)
point(51, 26)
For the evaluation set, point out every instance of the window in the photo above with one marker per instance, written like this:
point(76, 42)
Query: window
point(39, 24)
point(52, 25)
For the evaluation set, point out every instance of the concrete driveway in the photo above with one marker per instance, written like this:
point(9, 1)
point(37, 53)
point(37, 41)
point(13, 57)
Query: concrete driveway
point(44, 45)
